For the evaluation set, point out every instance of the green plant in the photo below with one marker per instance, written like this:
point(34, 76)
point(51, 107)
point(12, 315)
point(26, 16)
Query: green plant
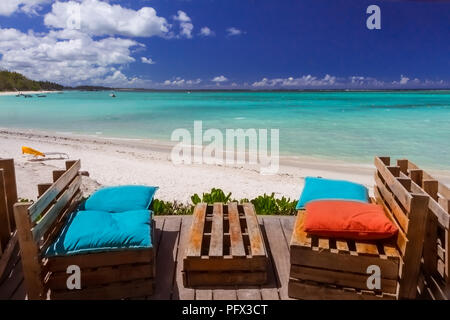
point(269, 205)
point(216, 195)
point(161, 207)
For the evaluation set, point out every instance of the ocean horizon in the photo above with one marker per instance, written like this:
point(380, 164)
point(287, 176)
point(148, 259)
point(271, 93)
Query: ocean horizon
point(343, 125)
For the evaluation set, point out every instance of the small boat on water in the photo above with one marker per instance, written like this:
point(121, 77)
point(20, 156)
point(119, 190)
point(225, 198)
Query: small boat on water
point(41, 96)
point(28, 96)
point(112, 95)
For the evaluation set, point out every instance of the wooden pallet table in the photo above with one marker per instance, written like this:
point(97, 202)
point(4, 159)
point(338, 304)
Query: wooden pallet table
point(327, 268)
point(225, 247)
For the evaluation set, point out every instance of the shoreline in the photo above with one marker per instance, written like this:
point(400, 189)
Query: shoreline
point(112, 161)
point(13, 93)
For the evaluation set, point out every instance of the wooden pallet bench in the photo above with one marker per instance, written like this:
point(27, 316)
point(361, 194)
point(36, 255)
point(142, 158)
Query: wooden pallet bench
point(104, 275)
point(327, 268)
point(225, 247)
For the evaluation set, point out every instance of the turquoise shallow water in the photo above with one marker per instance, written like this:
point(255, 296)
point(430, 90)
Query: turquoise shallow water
point(352, 126)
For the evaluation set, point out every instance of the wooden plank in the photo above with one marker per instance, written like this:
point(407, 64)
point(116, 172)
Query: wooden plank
point(11, 188)
point(412, 257)
point(179, 290)
point(226, 263)
point(310, 291)
point(430, 244)
point(269, 290)
point(103, 276)
point(29, 252)
point(165, 262)
point(102, 259)
point(55, 210)
point(114, 291)
point(225, 278)
point(342, 246)
point(203, 294)
point(250, 293)
point(57, 174)
point(280, 253)
point(382, 192)
point(237, 243)
point(216, 244)
point(5, 225)
point(7, 253)
point(224, 294)
point(343, 279)
point(365, 248)
point(194, 248)
point(441, 214)
point(42, 188)
point(431, 187)
point(256, 242)
point(343, 262)
point(416, 176)
point(299, 236)
point(403, 165)
point(46, 199)
point(395, 186)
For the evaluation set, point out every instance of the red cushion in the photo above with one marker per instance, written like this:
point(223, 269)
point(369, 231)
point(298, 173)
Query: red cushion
point(348, 220)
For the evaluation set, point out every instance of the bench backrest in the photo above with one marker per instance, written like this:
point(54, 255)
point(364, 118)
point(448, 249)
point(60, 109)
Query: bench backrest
point(40, 222)
point(436, 279)
point(408, 210)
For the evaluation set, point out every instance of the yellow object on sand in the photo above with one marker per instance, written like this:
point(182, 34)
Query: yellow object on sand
point(27, 150)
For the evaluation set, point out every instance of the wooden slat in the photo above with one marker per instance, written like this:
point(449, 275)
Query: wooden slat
point(103, 259)
point(179, 290)
point(225, 294)
point(310, 291)
point(433, 205)
point(299, 236)
point(5, 229)
point(342, 246)
point(442, 189)
point(111, 292)
point(344, 279)
point(55, 210)
point(403, 165)
point(103, 276)
point(254, 232)
point(396, 187)
point(225, 278)
point(413, 254)
point(381, 191)
point(365, 248)
point(42, 188)
point(431, 187)
point(7, 253)
point(194, 248)
point(11, 188)
point(46, 199)
point(165, 260)
point(29, 253)
point(216, 244)
point(237, 244)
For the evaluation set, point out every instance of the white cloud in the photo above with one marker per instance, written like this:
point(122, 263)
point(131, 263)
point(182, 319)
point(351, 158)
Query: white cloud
point(178, 81)
point(99, 18)
point(8, 7)
point(234, 31)
point(403, 79)
point(67, 57)
point(304, 81)
point(147, 60)
point(219, 79)
point(186, 25)
point(206, 32)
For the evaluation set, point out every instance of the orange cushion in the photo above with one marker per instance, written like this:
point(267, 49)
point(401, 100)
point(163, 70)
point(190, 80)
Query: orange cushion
point(348, 220)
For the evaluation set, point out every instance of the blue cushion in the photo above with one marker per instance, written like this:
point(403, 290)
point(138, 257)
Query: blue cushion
point(120, 199)
point(93, 231)
point(325, 189)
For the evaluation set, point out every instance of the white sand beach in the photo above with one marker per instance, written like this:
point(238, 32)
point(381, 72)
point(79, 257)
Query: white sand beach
point(121, 161)
point(13, 93)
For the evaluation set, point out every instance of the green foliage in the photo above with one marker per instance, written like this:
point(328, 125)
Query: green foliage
point(264, 205)
point(10, 81)
point(161, 207)
point(216, 195)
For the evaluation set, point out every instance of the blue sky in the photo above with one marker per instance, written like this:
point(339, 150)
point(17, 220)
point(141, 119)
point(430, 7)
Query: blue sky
point(252, 44)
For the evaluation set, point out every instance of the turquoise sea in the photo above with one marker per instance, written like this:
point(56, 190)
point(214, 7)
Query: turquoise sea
point(351, 126)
